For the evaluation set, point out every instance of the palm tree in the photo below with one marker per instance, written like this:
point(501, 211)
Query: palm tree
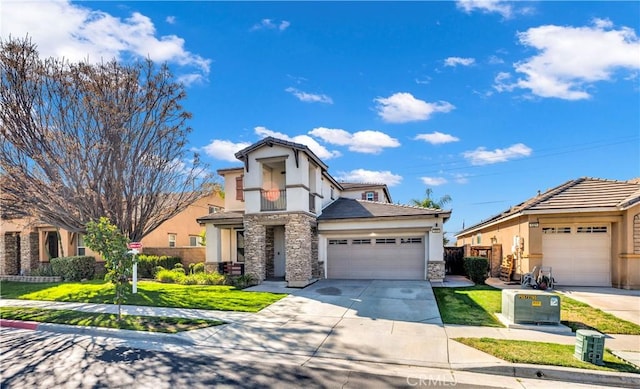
point(428, 202)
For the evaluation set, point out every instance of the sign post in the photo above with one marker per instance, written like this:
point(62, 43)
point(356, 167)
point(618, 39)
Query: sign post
point(133, 249)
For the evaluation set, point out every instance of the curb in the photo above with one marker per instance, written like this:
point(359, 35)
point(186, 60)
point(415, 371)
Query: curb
point(178, 339)
point(555, 373)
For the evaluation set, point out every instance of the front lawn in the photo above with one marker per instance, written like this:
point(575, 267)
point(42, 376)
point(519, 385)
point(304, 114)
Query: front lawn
point(540, 353)
point(169, 325)
point(150, 293)
point(477, 306)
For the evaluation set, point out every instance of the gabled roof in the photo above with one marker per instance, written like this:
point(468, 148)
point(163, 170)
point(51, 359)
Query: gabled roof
point(582, 194)
point(271, 141)
point(351, 186)
point(344, 208)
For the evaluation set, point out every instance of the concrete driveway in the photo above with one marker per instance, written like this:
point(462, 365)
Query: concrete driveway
point(622, 303)
point(377, 321)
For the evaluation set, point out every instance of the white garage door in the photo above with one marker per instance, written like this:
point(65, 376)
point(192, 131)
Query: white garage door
point(579, 255)
point(387, 258)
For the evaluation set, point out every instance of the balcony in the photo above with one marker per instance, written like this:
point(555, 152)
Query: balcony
point(273, 200)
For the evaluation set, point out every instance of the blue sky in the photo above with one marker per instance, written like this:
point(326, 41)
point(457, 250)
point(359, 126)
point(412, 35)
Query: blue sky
point(486, 101)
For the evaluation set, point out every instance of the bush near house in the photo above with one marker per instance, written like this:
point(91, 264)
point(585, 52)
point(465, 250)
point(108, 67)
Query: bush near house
point(476, 269)
point(148, 264)
point(74, 268)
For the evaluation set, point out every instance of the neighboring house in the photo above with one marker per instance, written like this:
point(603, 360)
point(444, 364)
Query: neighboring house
point(587, 230)
point(286, 217)
point(25, 242)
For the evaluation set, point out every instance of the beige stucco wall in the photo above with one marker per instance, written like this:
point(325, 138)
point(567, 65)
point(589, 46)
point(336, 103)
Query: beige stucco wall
point(184, 224)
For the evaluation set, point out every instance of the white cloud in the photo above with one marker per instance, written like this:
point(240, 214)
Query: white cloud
point(433, 181)
point(370, 177)
point(486, 6)
point(78, 33)
point(306, 140)
point(269, 24)
point(224, 149)
point(572, 59)
point(403, 107)
point(482, 156)
point(495, 60)
point(455, 61)
point(309, 97)
point(437, 138)
point(368, 141)
point(170, 19)
point(461, 178)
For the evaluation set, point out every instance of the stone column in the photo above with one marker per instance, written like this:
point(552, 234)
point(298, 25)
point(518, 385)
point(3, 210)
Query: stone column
point(29, 252)
point(254, 248)
point(298, 245)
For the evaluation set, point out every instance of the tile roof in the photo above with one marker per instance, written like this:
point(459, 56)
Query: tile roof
point(583, 193)
point(222, 217)
point(344, 208)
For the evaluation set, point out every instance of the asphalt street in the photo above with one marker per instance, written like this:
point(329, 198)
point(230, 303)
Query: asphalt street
point(37, 359)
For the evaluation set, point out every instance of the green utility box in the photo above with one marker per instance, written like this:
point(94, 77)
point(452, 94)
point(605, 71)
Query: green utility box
point(589, 346)
point(531, 306)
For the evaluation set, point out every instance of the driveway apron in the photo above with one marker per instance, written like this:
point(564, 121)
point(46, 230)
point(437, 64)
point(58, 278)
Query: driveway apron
point(365, 320)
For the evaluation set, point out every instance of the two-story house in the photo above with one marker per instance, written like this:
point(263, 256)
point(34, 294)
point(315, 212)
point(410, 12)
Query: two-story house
point(287, 217)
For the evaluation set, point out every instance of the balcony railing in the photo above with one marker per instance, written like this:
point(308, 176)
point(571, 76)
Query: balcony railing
point(273, 200)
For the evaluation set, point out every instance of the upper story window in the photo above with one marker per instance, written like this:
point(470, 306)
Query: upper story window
point(172, 240)
point(240, 188)
point(195, 240)
point(370, 196)
point(214, 209)
point(332, 193)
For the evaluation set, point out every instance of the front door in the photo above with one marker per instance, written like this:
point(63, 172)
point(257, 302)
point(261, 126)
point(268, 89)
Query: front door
point(52, 244)
point(279, 258)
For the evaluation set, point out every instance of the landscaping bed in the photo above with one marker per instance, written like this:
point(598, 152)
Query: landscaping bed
point(541, 353)
point(169, 325)
point(150, 293)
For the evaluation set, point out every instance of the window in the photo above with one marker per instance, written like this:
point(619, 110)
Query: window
point(361, 241)
point(195, 240)
point(240, 188)
point(369, 196)
point(592, 230)
point(172, 240)
point(337, 241)
point(80, 248)
point(386, 241)
point(478, 238)
point(213, 209)
point(240, 245)
point(556, 230)
point(332, 194)
point(410, 240)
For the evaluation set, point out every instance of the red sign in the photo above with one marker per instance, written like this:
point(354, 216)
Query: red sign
point(134, 245)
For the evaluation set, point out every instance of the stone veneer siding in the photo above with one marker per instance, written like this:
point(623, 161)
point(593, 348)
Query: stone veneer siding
point(435, 271)
point(300, 237)
point(9, 254)
point(29, 252)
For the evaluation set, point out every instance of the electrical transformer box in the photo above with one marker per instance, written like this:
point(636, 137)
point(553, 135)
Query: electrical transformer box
point(530, 306)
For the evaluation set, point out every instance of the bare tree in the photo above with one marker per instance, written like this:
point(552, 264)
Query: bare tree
point(80, 141)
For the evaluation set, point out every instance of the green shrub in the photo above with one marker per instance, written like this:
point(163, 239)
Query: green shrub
point(242, 281)
point(169, 276)
point(74, 268)
point(148, 264)
point(476, 269)
point(44, 270)
point(195, 268)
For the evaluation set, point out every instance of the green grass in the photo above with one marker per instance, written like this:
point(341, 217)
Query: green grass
point(169, 325)
point(540, 353)
point(477, 305)
point(150, 293)
point(474, 305)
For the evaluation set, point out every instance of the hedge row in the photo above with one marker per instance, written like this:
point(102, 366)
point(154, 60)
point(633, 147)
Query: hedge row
point(147, 264)
point(74, 268)
point(477, 269)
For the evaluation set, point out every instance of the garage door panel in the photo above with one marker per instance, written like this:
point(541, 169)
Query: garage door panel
point(376, 261)
point(580, 259)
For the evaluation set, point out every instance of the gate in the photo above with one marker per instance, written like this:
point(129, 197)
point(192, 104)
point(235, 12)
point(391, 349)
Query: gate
point(454, 260)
